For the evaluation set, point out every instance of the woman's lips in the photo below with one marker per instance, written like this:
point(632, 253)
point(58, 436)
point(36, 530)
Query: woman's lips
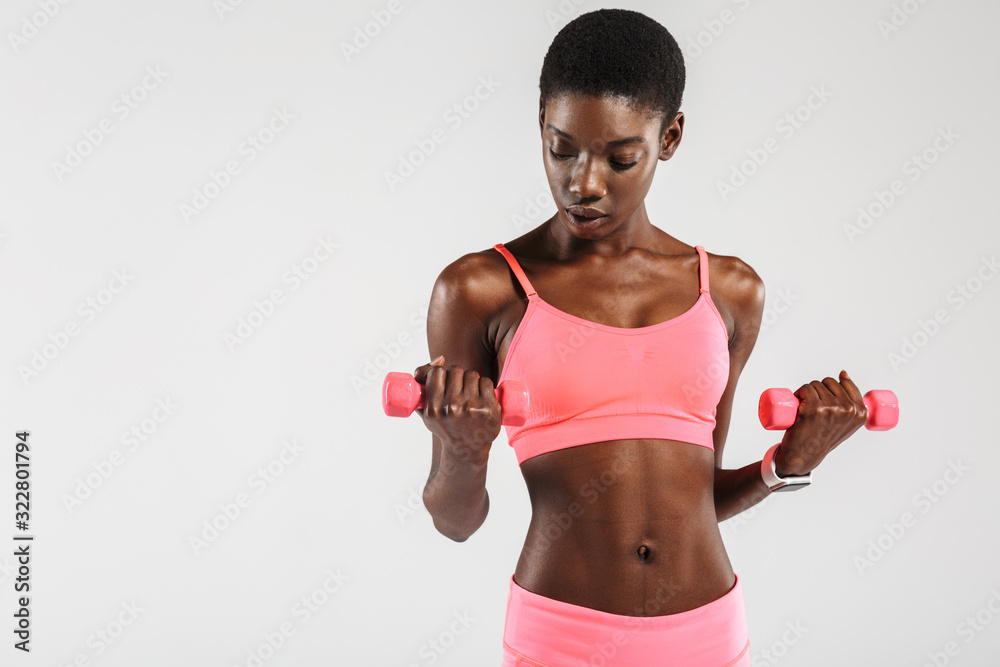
point(585, 211)
point(583, 221)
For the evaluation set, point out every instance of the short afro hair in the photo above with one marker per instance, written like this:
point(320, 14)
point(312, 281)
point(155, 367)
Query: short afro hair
point(619, 52)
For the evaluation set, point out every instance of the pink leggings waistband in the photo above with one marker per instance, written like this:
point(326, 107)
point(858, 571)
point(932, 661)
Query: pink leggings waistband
point(542, 632)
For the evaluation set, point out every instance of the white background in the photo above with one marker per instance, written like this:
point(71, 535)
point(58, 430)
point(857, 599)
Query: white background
point(311, 371)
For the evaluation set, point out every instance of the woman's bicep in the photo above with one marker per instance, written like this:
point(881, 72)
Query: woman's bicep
point(458, 317)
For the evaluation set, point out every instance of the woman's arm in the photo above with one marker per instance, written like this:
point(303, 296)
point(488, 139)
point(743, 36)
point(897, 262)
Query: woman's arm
point(457, 328)
point(829, 412)
point(738, 490)
point(455, 494)
point(742, 291)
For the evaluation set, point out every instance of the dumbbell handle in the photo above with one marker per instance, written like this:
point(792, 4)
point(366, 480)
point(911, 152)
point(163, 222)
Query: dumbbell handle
point(402, 394)
point(778, 407)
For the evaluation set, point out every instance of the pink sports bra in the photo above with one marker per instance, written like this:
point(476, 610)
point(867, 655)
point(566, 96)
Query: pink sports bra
point(591, 382)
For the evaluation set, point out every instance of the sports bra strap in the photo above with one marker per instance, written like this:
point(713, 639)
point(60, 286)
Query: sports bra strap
point(702, 269)
point(516, 268)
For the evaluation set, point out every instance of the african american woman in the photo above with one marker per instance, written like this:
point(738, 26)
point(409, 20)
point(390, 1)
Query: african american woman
point(631, 343)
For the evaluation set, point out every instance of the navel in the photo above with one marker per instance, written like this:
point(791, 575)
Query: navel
point(643, 553)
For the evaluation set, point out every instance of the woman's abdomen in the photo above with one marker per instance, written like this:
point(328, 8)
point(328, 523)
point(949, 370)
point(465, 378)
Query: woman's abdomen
point(627, 527)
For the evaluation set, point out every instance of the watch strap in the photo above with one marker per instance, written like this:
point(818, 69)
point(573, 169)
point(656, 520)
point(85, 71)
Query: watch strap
point(769, 474)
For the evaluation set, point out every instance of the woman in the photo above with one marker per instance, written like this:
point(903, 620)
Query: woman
point(631, 343)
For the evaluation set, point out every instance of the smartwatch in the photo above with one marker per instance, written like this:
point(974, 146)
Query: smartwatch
point(775, 483)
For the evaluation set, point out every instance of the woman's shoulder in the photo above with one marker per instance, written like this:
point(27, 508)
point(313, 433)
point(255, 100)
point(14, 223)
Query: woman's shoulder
point(477, 268)
point(727, 273)
point(476, 282)
point(734, 276)
point(738, 293)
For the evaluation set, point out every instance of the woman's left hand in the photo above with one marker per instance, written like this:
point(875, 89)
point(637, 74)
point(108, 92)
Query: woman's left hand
point(829, 412)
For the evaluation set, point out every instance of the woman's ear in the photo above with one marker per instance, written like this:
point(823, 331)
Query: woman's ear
point(672, 137)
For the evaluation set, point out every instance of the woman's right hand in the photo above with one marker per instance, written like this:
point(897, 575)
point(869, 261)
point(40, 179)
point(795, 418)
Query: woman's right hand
point(460, 407)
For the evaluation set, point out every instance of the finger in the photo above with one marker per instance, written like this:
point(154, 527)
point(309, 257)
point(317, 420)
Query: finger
point(434, 385)
point(851, 388)
point(471, 384)
point(455, 383)
point(421, 371)
point(486, 389)
point(806, 392)
point(854, 394)
point(834, 388)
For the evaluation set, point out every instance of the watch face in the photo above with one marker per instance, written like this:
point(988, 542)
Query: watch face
point(791, 486)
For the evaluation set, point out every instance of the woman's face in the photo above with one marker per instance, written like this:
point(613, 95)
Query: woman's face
point(600, 157)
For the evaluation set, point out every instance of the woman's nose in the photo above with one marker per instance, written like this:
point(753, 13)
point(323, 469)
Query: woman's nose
point(586, 181)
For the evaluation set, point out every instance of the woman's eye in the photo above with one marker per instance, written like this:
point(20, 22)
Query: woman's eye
point(620, 165)
point(615, 164)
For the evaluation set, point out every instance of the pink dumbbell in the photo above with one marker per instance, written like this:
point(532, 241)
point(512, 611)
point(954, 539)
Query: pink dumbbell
point(778, 407)
point(402, 394)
